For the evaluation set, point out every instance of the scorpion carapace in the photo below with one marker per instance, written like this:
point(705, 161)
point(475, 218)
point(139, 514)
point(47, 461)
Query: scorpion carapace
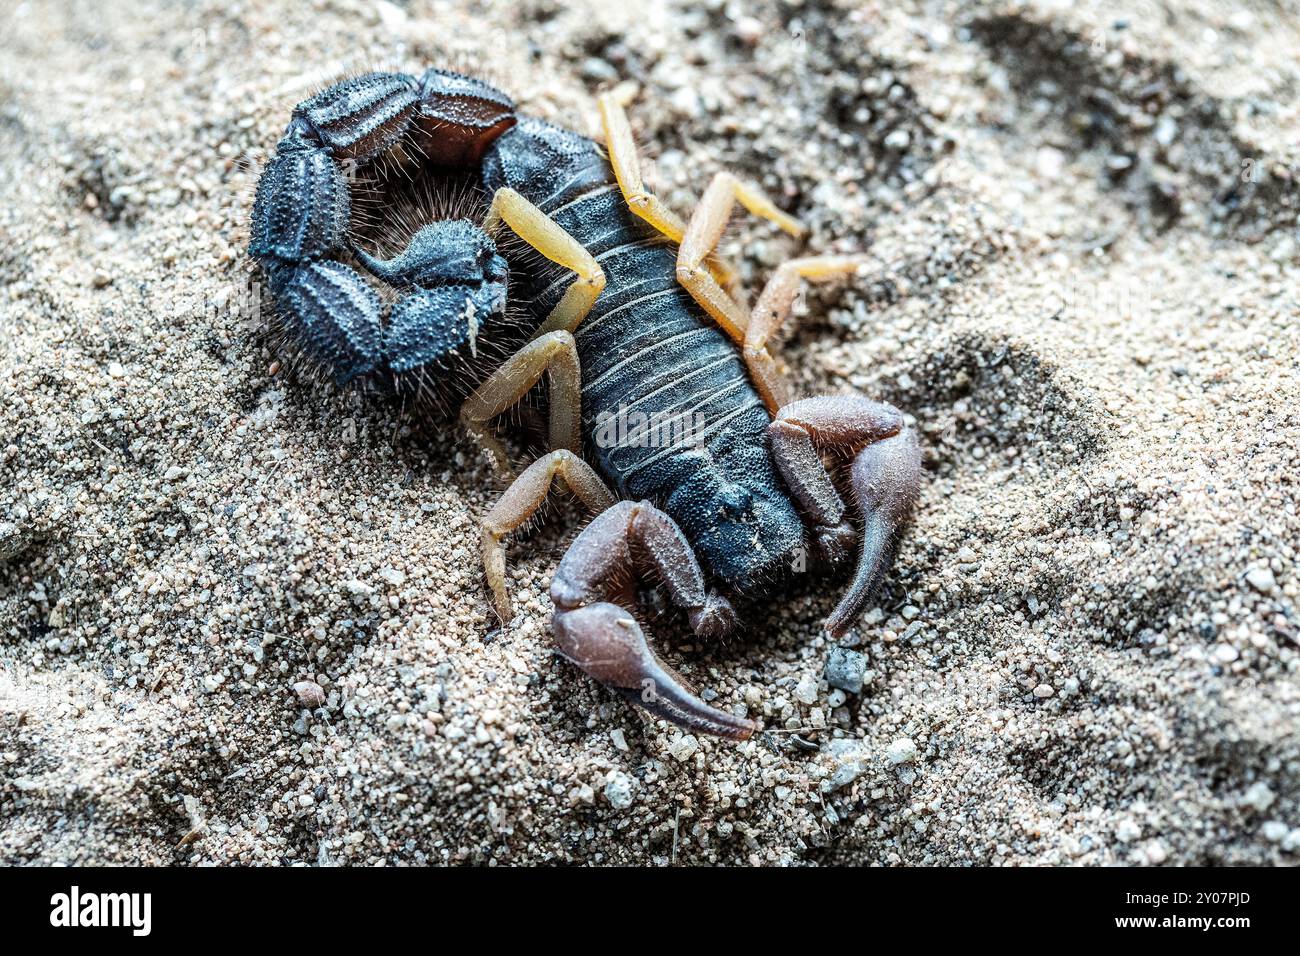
point(668, 413)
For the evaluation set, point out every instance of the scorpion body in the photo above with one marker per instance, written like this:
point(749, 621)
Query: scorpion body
point(639, 327)
point(650, 354)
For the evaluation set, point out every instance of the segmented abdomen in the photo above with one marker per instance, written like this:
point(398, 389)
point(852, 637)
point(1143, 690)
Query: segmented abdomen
point(664, 390)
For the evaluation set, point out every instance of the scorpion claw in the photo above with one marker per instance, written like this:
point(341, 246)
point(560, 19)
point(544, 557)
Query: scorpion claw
point(606, 642)
point(884, 477)
point(601, 637)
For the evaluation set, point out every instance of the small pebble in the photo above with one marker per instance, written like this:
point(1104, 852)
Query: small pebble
point(749, 31)
point(898, 140)
point(1274, 831)
point(684, 747)
point(844, 774)
point(901, 750)
point(310, 693)
point(846, 670)
point(598, 71)
point(618, 790)
point(1225, 653)
point(1259, 796)
point(806, 690)
point(1261, 579)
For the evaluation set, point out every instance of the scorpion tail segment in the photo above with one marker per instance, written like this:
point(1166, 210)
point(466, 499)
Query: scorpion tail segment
point(885, 477)
point(436, 329)
point(333, 315)
point(302, 208)
point(359, 118)
point(446, 252)
point(606, 642)
point(603, 639)
point(459, 117)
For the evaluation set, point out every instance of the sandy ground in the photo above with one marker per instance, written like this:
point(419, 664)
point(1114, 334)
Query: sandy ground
point(1085, 654)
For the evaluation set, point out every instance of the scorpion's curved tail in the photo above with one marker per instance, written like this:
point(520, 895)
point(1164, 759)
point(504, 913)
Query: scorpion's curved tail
point(302, 217)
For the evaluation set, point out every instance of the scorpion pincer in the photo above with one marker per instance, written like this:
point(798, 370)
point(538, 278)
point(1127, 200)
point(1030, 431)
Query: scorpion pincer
point(633, 312)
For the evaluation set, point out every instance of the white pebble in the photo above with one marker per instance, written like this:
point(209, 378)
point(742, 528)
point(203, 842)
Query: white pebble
point(1259, 796)
point(1127, 831)
point(1225, 653)
point(684, 747)
point(1274, 831)
point(806, 690)
point(618, 790)
point(898, 140)
point(901, 750)
point(1261, 579)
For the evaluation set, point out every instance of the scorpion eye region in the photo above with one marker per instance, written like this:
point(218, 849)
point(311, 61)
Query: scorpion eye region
point(459, 117)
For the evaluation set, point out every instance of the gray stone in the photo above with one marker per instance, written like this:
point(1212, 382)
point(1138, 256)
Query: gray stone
point(846, 669)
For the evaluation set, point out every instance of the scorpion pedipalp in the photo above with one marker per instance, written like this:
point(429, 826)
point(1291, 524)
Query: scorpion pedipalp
point(595, 630)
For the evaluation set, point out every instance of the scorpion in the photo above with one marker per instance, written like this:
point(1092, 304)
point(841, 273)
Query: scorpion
point(631, 307)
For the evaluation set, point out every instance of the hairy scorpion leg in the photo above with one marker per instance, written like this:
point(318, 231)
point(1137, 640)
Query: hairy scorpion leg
point(554, 354)
point(547, 236)
point(552, 349)
point(773, 309)
point(701, 238)
point(592, 590)
point(884, 477)
point(626, 162)
point(521, 501)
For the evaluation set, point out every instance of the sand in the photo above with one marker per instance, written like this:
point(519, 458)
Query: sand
point(242, 615)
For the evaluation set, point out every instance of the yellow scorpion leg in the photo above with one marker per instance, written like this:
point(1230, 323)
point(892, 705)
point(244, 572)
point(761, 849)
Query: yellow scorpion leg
point(702, 235)
point(773, 309)
point(554, 354)
point(547, 236)
point(623, 157)
point(521, 501)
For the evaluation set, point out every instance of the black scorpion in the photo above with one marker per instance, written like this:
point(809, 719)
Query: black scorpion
point(639, 327)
